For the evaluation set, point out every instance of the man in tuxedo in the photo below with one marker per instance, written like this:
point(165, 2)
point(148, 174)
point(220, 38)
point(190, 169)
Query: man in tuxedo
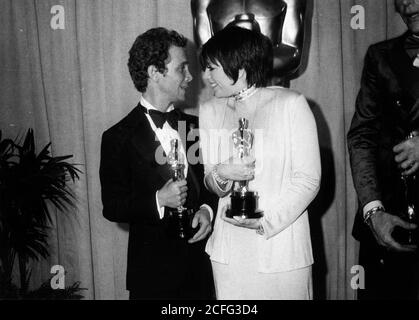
point(384, 152)
point(137, 184)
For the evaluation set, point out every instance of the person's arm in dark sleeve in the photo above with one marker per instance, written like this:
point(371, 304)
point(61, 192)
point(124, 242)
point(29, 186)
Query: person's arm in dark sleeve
point(364, 133)
point(120, 202)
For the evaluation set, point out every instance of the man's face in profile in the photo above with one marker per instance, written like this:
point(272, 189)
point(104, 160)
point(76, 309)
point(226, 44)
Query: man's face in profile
point(409, 11)
point(175, 80)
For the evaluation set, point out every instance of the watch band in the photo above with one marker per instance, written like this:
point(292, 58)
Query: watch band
point(372, 212)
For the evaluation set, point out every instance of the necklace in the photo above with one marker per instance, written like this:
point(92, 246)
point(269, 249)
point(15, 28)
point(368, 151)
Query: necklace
point(247, 109)
point(245, 93)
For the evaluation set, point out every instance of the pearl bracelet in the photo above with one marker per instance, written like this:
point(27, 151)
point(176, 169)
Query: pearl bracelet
point(218, 179)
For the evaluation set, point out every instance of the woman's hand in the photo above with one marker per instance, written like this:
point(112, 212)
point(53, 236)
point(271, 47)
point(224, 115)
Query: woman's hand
point(237, 169)
point(253, 224)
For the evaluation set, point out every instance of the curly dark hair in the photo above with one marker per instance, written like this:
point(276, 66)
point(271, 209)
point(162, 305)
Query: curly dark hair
point(237, 48)
point(151, 48)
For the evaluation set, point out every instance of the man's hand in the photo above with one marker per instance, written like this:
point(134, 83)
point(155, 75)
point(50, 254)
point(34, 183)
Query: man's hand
point(173, 194)
point(203, 218)
point(407, 155)
point(237, 169)
point(253, 224)
point(382, 225)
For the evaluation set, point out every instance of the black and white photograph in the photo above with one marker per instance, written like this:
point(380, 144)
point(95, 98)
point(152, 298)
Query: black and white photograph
point(209, 154)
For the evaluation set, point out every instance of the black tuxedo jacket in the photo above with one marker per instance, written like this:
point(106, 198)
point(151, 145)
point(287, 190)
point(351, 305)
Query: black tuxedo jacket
point(387, 110)
point(158, 266)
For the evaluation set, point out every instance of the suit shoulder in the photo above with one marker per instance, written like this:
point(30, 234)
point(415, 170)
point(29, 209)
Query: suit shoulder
point(122, 127)
point(385, 46)
point(386, 43)
point(281, 93)
point(277, 100)
point(190, 118)
point(117, 129)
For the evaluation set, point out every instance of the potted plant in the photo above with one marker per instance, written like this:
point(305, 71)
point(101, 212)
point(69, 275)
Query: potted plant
point(30, 185)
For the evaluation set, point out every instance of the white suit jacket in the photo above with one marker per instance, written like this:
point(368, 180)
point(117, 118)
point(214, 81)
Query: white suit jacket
point(287, 176)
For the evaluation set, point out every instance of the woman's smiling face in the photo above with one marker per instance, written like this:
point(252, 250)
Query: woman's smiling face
point(222, 85)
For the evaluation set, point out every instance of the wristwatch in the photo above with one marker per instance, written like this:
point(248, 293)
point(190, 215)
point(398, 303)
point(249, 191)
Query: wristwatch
point(371, 212)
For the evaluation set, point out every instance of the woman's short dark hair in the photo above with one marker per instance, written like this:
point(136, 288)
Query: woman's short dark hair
point(151, 48)
point(237, 48)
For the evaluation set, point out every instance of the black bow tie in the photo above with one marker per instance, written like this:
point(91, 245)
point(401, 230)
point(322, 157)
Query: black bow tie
point(411, 45)
point(159, 118)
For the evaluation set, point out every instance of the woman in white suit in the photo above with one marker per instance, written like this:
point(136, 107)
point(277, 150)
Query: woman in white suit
point(270, 257)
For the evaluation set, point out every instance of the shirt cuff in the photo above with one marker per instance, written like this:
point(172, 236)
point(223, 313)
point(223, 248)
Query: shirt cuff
point(205, 206)
point(160, 209)
point(371, 205)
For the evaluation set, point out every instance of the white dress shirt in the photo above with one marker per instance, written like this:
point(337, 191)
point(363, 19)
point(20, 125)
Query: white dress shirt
point(165, 135)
